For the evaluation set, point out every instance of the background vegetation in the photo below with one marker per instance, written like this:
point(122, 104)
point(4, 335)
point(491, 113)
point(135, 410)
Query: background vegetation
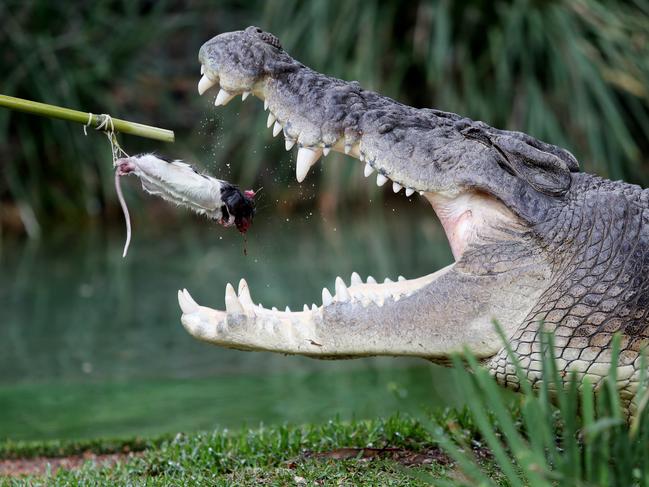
point(572, 72)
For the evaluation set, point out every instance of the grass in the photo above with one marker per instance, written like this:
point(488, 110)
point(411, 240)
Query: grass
point(277, 455)
point(569, 430)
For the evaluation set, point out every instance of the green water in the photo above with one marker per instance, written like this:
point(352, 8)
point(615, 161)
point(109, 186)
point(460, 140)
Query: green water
point(91, 344)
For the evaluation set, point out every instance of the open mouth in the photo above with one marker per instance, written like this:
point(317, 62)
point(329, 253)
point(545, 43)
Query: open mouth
point(458, 214)
point(482, 183)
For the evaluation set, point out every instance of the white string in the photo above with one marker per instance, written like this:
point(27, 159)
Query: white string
point(117, 152)
point(116, 149)
point(85, 132)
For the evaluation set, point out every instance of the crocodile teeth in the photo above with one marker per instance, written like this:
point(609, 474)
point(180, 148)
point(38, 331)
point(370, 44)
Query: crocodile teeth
point(202, 69)
point(265, 105)
point(371, 280)
point(354, 151)
point(327, 299)
point(342, 293)
point(409, 192)
point(381, 179)
point(288, 310)
point(186, 302)
point(244, 293)
point(387, 280)
point(223, 98)
point(288, 143)
point(314, 307)
point(245, 95)
point(368, 169)
point(277, 128)
point(305, 308)
point(326, 150)
point(396, 187)
point(271, 120)
point(305, 159)
point(232, 303)
point(356, 279)
point(401, 278)
point(205, 84)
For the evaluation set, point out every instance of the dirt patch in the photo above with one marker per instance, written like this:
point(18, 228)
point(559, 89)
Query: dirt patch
point(401, 455)
point(40, 465)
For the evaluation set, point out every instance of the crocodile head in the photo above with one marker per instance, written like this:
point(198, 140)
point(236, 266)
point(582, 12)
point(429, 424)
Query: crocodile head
point(515, 211)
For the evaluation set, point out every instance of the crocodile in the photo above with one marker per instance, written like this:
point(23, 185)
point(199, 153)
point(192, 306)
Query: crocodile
point(537, 244)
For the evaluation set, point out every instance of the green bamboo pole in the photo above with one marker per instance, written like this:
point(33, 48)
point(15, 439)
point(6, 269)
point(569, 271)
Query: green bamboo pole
point(85, 118)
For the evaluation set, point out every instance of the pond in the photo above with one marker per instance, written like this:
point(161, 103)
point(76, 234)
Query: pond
point(91, 344)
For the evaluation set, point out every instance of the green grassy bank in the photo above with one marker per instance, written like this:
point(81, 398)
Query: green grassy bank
point(393, 451)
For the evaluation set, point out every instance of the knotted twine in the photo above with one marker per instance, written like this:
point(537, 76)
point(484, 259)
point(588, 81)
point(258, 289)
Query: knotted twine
point(106, 125)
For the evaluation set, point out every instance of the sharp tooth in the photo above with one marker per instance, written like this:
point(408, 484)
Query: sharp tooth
point(274, 308)
point(271, 120)
point(243, 287)
point(401, 278)
point(187, 304)
point(288, 310)
point(356, 279)
point(342, 293)
point(202, 69)
point(327, 299)
point(396, 187)
point(347, 149)
point(232, 304)
point(355, 150)
point(368, 169)
point(244, 293)
point(223, 98)
point(265, 105)
point(288, 143)
point(277, 128)
point(387, 280)
point(326, 150)
point(305, 308)
point(205, 84)
point(381, 179)
point(371, 280)
point(361, 156)
point(305, 159)
point(189, 298)
point(421, 193)
point(313, 307)
point(245, 95)
point(409, 192)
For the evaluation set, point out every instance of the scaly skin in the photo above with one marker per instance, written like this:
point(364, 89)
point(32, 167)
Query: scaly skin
point(535, 241)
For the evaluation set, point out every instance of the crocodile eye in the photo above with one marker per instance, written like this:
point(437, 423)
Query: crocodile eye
point(267, 37)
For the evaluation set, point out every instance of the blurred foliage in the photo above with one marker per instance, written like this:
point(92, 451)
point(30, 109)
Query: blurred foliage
point(571, 72)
